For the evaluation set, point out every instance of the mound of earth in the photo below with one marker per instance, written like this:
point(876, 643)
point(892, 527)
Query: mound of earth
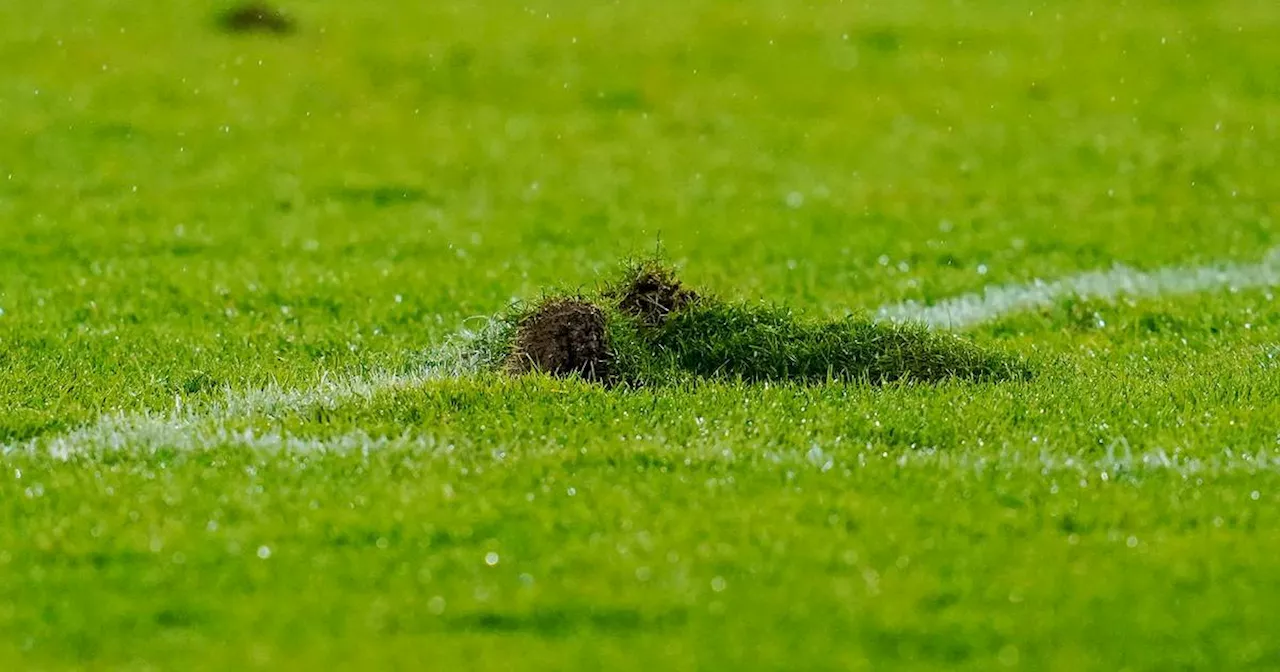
point(563, 337)
point(256, 17)
point(652, 295)
point(648, 329)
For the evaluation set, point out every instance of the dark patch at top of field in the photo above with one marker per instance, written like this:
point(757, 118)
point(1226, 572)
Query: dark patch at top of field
point(115, 131)
point(256, 17)
point(884, 40)
point(565, 621)
point(617, 100)
point(651, 294)
point(382, 196)
point(563, 337)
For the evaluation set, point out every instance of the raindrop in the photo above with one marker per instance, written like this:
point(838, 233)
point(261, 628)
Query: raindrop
point(491, 558)
point(264, 552)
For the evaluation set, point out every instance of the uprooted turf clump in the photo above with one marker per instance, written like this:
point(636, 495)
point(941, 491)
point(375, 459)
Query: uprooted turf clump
point(650, 293)
point(562, 337)
point(648, 329)
point(768, 343)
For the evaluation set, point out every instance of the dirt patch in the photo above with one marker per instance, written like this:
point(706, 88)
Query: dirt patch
point(256, 17)
point(653, 295)
point(562, 338)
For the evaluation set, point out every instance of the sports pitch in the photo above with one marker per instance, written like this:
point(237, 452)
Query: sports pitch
point(252, 413)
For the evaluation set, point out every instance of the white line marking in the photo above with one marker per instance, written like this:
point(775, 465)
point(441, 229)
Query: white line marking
point(1119, 459)
point(185, 427)
point(190, 427)
point(970, 310)
point(1117, 463)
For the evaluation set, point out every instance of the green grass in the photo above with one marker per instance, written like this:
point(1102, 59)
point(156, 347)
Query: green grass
point(187, 217)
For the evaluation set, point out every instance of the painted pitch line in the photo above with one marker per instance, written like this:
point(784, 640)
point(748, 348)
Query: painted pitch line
point(1119, 459)
point(1117, 462)
point(185, 427)
point(977, 308)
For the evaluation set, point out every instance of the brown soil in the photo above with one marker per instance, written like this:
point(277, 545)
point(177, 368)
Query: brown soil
point(652, 296)
point(258, 17)
point(562, 338)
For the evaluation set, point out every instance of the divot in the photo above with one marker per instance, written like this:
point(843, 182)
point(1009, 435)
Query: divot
point(562, 337)
point(648, 329)
point(651, 293)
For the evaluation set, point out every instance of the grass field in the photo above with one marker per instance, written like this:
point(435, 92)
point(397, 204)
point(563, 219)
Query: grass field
point(236, 431)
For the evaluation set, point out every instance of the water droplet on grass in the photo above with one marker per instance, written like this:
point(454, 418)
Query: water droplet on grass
point(491, 558)
point(264, 552)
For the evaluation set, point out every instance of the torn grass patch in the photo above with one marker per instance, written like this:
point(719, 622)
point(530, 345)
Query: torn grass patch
point(646, 328)
point(562, 337)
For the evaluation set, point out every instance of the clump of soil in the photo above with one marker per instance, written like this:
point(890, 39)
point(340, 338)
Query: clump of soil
point(653, 295)
point(563, 337)
point(256, 17)
point(647, 329)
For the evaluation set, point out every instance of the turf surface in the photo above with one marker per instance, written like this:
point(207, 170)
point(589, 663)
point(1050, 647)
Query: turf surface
point(188, 216)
